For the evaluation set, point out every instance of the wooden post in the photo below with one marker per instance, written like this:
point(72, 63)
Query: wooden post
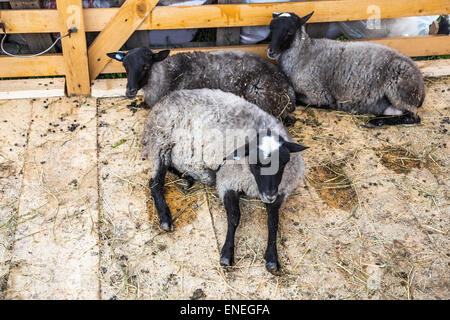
point(118, 30)
point(36, 42)
point(70, 13)
point(228, 36)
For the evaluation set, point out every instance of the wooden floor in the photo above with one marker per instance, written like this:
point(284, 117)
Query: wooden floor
point(370, 221)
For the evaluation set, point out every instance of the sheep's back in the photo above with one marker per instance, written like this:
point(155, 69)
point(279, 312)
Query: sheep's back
point(244, 74)
point(354, 74)
point(199, 127)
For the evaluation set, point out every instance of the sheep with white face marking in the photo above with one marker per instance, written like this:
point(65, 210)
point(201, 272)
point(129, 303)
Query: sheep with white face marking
point(244, 74)
point(220, 139)
point(356, 77)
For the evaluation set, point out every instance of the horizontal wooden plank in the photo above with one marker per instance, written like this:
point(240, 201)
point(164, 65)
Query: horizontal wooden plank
point(410, 46)
point(418, 46)
point(213, 16)
point(435, 68)
point(108, 88)
point(32, 88)
point(45, 65)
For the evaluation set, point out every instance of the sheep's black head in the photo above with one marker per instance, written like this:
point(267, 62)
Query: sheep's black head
point(138, 63)
point(268, 156)
point(283, 28)
point(444, 27)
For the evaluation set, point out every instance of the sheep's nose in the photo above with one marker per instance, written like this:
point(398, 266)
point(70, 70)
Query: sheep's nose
point(269, 198)
point(131, 93)
point(271, 53)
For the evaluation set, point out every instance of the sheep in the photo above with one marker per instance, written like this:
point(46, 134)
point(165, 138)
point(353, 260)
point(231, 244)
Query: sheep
point(356, 77)
point(444, 27)
point(244, 74)
point(194, 132)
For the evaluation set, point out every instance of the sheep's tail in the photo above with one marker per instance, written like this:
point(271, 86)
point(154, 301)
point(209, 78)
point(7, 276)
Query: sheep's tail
point(406, 90)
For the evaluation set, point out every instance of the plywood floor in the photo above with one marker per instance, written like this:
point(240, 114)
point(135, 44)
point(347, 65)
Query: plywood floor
point(370, 220)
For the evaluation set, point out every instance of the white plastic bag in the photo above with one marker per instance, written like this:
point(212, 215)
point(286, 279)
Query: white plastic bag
point(398, 27)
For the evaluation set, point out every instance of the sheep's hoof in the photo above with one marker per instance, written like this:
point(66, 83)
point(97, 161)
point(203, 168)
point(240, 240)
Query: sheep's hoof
point(166, 226)
point(273, 267)
point(226, 261)
point(190, 182)
point(412, 120)
point(376, 122)
point(289, 121)
point(406, 119)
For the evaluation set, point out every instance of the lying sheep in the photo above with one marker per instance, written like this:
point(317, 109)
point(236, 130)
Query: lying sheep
point(191, 131)
point(357, 77)
point(242, 73)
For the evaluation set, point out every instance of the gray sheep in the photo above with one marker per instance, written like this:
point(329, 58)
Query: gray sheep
point(220, 139)
point(244, 74)
point(356, 77)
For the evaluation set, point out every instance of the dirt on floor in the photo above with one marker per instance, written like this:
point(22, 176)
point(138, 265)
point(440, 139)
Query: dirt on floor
point(369, 221)
point(333, 186)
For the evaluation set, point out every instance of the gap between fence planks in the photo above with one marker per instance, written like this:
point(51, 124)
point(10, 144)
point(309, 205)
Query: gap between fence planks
point(53, 65)
point(410, 46)
point(36, 42)
point(116, 33)
point(74, 47)
point(214, 16)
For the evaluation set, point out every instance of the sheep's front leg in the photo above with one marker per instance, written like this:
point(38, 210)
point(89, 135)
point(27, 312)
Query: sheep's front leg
point(271, 254)
point(190, 181)
point(301, 99)
point(231, 203)
point(157, 189)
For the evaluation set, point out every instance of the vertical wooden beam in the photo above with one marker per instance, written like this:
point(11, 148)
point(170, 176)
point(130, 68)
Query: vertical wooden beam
point(228, 36)
point(118, 30)
point(70, 13)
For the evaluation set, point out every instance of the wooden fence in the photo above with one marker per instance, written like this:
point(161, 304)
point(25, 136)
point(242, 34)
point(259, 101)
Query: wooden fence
point(81, 65)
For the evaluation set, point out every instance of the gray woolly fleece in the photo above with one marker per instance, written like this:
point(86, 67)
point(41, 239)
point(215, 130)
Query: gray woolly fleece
point(193, 130)
point(356, 77)
point(244, 74)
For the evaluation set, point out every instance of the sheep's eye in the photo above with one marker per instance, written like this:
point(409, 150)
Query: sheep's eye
point(146, 67)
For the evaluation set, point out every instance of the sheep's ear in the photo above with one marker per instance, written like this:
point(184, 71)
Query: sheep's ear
point(294, 147)
point(160, 56)
point(119, 55)
point(275, 14)
point(239, 153)
point(304, 19)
